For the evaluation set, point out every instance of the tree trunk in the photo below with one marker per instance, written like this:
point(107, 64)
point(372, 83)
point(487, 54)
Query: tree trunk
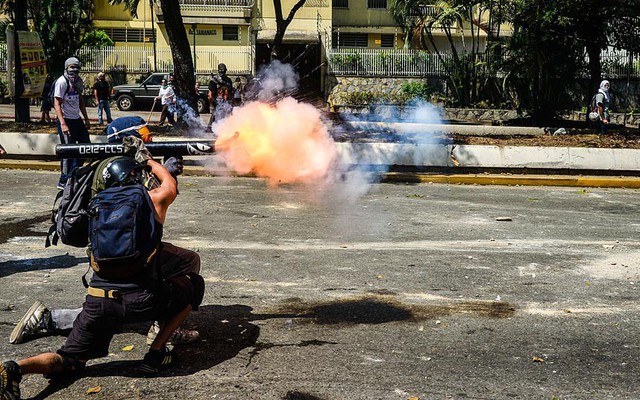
point(595, 67)
point(281, 25)
point(180, 52)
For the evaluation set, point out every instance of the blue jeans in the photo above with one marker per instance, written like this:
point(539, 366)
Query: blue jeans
point(602, 128)
point(104, 105)
point(78, 133)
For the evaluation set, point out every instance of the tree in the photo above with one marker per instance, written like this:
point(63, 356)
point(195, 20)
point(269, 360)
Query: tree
point(61, 24)
point(282, 24)
point(180, 49)
point(543, 57)
point(468, 65)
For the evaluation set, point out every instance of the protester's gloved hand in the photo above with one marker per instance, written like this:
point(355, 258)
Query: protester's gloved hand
point(175, 165)
point(134, 147)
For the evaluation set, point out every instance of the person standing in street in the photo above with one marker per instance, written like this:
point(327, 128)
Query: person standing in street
point(602, 103)
point(69, 104)
point(166, 95)
point(218, 81)
point(102, 94)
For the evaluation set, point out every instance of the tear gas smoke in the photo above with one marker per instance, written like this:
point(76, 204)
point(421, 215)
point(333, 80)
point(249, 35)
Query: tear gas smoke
point(420, 113)
point(190, 117)
point(274, 81)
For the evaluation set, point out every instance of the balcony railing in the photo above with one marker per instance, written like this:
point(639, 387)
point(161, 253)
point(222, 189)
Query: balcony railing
point(208, 6)
point(239, 59)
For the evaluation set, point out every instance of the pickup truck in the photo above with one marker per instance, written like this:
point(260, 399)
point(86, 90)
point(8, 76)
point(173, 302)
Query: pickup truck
point(139, 95)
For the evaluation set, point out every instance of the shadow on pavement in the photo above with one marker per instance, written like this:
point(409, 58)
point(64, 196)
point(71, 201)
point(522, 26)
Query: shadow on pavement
point(37, 264)
point(224, 332)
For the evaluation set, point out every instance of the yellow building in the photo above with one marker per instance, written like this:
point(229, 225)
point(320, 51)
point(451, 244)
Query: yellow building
point(240, 33)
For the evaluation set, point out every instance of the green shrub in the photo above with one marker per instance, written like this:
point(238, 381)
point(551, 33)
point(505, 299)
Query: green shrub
point(416, 90)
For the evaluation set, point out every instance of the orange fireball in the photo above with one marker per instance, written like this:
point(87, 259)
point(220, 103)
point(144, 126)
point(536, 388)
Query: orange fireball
point(285, 143)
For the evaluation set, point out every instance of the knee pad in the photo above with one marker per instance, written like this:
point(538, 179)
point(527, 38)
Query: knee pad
point(198, 289)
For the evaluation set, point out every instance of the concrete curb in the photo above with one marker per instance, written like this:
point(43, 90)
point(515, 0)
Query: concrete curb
point(517, 180)
point(379, 156)
point(413, 154)
point(391, 177)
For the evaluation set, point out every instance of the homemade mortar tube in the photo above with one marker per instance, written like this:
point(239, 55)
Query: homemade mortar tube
point(157, 149)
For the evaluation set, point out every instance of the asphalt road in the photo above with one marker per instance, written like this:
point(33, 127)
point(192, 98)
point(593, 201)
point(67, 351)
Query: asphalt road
point(392, 291)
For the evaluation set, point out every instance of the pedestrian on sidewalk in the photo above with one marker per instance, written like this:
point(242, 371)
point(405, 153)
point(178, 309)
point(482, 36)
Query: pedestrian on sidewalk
point(602, 103)
point(69, 104)
point(45, 104)
point(102, 94)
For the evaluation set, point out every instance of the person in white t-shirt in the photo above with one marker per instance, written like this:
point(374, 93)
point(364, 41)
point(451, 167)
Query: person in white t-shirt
point(68, 104)
point(166, 97)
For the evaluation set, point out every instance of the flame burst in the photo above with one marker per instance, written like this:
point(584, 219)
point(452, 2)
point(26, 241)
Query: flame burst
point(285, 143)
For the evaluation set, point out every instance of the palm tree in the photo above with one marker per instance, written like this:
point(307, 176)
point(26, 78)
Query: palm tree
point(421, 18)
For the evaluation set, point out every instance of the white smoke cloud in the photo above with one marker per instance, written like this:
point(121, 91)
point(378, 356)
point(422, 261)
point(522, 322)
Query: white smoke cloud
point(276, 80)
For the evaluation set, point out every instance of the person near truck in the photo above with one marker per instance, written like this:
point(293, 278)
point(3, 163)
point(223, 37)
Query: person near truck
point(102, 94)
point(69, 104)
point(166, 97)
point(217, 81)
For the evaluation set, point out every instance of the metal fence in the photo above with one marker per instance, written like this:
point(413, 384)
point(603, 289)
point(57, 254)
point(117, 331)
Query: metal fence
point(418, 63)
point(238, 59)
point(3, 57)
point(385, 62)
point(620, 64)
point(359, 62)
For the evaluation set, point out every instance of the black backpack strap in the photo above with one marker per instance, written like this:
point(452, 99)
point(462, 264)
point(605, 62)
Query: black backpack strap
point(84, 277)
point(52, 229)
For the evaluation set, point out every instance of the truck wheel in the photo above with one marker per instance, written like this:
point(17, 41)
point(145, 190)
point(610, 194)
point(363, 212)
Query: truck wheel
point(125, 103)
point(202, 106)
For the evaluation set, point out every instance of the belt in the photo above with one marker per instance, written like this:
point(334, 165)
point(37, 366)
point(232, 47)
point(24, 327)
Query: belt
point(109, 294)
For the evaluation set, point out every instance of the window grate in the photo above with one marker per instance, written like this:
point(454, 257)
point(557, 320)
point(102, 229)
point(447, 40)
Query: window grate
point(377, 4)
point(350, 40)
point(128, 35)
point(230, 32)
point(387, 41)
point(340, 3)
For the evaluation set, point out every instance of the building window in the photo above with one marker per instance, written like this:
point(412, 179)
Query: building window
point(387, 41)
point(129, 35)
point(350, 40)
point(377, 4)
point(230, 32)
point(340, 3)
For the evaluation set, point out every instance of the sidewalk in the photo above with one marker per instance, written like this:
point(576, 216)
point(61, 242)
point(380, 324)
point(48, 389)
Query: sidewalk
point(508, 165)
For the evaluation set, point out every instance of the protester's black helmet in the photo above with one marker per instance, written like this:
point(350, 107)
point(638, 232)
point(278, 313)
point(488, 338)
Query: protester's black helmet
point(222, 68)
point(122, 171)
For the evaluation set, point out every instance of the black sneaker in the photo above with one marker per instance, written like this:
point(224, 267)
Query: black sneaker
point(10, 377)
point(156, 360)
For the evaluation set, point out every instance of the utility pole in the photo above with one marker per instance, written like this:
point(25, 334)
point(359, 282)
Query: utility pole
point(21, 104)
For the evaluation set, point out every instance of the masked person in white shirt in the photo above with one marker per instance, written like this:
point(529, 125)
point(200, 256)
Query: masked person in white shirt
point(69, 104)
